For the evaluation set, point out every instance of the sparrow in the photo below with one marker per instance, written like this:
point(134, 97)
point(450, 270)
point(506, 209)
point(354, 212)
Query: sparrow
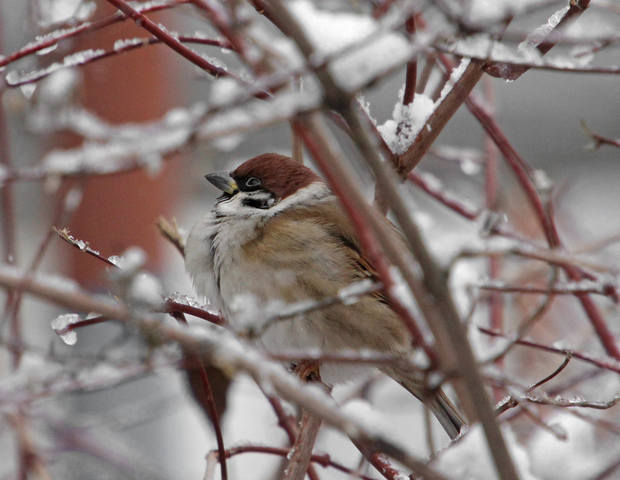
point(276, 236)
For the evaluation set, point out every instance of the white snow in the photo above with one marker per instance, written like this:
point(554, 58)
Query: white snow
point(13, 78)
point(186, 300)
point(224, 91)
point(143, 6)
point(361, 47)
point(468, 458)
point(115, 259)
point(53, 35)
point(583, 454)
point(28, 90)
point(540, 33)
point(484, 48)
point(542, 181)
point(73, 198)
point(400, 291)
point(145, 291)
point(57, 88)
point(362, 412)
point(431, 180)
point(331, 31)
point(455, 76)
point(123, 43)
point(52, 12)
point(132, 259)
point(61, 325)
point(400, 131)
point(46, 50)
point(486, 12)
point(351, 293)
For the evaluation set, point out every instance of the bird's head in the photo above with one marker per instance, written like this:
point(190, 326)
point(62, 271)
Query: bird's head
point(266, 184)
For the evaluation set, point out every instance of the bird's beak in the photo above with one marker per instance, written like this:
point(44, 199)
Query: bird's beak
point(223, 181)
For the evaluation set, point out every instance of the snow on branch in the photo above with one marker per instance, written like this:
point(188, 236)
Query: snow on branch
point(220, 348)
point(311, 66)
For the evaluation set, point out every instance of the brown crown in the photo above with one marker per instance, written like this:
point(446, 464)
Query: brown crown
point(278, 173)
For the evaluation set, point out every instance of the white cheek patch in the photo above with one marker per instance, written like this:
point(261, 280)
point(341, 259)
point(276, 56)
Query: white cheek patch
point(236, 207)
point(230, 207)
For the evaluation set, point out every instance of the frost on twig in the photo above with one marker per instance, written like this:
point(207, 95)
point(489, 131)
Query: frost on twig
point(81, 245)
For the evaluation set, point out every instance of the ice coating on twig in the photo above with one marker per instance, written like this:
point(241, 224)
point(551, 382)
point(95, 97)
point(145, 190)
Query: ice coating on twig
point(14, 78)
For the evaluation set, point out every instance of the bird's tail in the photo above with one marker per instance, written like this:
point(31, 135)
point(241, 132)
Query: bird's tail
point(438, 402)
point(446, 413)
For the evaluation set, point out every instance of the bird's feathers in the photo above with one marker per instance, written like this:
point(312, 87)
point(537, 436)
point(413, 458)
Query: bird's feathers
point(304, 248)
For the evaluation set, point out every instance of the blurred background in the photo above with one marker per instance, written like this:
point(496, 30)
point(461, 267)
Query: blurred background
point(154, 422)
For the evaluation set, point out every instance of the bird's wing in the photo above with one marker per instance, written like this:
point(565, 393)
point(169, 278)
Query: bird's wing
point(341, 228)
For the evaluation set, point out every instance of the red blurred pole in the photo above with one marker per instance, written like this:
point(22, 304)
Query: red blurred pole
point(120, 211)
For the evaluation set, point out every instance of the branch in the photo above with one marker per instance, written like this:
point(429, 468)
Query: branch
point(544, 399)
point(607, 364)
point(219, 348)
point(170, 40)
point(598, 140)
point(51, 40)
point(85, 57)
point(445, 110)
point(523, 172)
point(324, 460)
point(81, 245)
point(175, 303)
point(540, 39)
point(300, 456)
point(573, 288)
point(439, 307)
point(427, 184)
point(171, 232)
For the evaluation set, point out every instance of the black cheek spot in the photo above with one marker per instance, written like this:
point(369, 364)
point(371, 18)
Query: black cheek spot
point(263, 204)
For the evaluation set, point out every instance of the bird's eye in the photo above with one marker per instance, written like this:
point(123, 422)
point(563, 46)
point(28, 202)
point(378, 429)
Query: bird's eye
point(252, 182)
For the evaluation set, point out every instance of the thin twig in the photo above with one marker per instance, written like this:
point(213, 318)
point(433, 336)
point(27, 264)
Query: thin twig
point(598, 140)
point(81, 245)
point(522, 172)
point(170, 231)
point(543, 45)
point(170, 40)
point(57, 36)
point(219, 347)
point(609, 364)
point(324, 459)
point(101, 54)
point(434, 281)
point(300, 456)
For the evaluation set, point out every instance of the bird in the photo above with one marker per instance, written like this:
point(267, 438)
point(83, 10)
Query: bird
point(276, 236)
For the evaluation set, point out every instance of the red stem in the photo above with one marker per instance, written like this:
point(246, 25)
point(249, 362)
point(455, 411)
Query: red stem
point(211, 408)
point(172, 306)
point(439, 195)
point(521, 170)
point(77, 31)
point(412, 66)
point(512, 72)
point(496, 300)
point(215, 419)
point(223, 26)
point(323, 460)
point(151, 27)
point(612, 366)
